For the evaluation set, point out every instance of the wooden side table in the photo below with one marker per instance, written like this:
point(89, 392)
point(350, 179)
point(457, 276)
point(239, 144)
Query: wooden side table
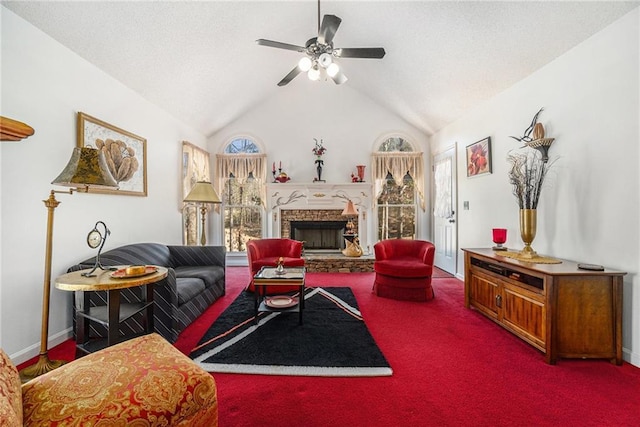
point(113, 313)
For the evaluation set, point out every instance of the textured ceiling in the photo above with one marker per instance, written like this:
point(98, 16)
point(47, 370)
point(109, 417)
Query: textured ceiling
point(199, 60)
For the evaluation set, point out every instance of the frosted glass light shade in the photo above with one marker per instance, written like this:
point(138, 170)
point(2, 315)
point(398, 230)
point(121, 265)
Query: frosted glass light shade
point(325, 60)
point(305, 64)
point(333, 69)
point(313, 74)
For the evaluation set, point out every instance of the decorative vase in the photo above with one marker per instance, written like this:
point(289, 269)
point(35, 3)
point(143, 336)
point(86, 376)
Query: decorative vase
point(528, 220)
point(360, 172)
point(499, 237)
point(319, 163)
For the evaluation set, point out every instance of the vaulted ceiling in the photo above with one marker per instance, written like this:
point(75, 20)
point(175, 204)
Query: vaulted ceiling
point(199, 60)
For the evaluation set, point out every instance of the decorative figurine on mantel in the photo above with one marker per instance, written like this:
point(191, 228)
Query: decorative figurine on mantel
point(319, 150)
point(281, 176)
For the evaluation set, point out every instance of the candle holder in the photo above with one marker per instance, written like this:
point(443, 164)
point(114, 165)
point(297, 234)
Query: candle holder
point(499, 238)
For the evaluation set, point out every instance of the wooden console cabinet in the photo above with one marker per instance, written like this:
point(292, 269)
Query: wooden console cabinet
point(559, 309)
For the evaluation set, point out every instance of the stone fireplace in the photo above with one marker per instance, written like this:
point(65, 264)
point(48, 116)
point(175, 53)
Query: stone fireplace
point(312, 212)
point(321, 230)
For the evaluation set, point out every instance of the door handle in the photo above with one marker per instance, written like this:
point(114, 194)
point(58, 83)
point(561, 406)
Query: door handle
point(452, 220)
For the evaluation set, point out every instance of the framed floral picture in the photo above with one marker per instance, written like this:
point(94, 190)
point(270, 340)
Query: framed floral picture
point(125, 153)
point(479, 157)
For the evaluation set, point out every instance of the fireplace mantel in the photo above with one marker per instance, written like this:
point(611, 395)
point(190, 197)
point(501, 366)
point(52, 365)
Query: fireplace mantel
point(317, 195)
point(320, 196)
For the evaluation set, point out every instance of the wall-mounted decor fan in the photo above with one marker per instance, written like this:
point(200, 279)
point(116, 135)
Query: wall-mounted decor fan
point(320, 53)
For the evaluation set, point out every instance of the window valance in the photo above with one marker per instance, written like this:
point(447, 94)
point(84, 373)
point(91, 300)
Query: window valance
point(240, 166)
point(398, 164)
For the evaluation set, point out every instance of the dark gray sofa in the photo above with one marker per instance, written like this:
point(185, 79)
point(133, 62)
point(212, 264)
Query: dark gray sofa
point(196, 278)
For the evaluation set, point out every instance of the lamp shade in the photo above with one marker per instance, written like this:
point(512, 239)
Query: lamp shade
point(87, 167)
point(350, 209)
point(202, 192)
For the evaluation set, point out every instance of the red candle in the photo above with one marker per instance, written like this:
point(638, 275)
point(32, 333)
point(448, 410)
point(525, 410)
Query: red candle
point(280, 167)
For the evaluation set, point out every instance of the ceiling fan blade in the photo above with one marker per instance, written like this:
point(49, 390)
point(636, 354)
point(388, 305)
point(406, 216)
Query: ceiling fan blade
point(339, 78)
point(292, 75)
point(330, 24)
point(280, 45)
point(360, 52)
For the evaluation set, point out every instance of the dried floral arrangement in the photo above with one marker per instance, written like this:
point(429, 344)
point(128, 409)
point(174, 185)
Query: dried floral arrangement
point(526, 176)
point(319, 149)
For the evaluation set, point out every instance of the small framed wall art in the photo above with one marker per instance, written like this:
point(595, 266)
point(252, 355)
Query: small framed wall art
point(479, 157)
point(126, 154)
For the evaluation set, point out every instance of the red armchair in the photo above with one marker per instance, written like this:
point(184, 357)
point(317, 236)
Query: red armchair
point(403, 269)
point(266, 252)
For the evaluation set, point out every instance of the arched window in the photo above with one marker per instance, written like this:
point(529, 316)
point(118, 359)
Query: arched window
point(242, 175)
point(399, 180)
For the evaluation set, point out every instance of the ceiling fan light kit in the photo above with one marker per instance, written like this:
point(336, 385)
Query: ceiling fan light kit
point(320, 60)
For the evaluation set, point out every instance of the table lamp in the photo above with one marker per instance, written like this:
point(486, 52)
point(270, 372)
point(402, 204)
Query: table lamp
point(350, 212)
point(203, 193)
point(86, 168)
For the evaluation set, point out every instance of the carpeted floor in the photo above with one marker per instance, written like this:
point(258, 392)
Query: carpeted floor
point(332, 341)
point(451, 367)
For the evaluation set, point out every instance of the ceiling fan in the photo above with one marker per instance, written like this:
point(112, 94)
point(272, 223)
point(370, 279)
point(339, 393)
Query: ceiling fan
point(320, 53)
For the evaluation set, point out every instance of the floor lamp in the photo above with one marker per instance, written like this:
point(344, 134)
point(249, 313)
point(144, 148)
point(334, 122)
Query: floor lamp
point(203, 193)
point(86, 169)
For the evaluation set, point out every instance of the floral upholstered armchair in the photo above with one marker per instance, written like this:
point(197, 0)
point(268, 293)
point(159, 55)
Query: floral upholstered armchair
point(144, 382)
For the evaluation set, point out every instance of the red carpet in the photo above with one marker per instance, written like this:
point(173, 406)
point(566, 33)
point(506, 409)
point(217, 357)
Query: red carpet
point(452, 367)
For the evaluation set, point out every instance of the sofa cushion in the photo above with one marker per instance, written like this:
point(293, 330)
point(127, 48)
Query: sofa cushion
point(208, 273)
point(403, 267)
point(133, 254)
point(188, 287)
point(10, 393)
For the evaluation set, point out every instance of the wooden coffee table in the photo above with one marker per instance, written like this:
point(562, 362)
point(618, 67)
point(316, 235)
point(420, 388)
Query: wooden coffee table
point(268, 276)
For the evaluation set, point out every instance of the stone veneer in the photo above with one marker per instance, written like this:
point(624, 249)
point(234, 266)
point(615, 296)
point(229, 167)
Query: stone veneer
point(338, 263)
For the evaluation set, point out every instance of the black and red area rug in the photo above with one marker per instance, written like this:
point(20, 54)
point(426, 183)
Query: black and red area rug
point(333, 341)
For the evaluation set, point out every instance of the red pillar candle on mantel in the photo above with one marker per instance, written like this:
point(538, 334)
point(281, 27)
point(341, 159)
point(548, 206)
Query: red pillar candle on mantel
point(499, 237)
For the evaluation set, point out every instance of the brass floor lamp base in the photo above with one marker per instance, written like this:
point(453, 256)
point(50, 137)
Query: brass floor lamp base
point(43, 366)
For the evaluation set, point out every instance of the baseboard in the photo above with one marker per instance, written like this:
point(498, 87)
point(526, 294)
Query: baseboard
point(631, 357)
point(33, 350)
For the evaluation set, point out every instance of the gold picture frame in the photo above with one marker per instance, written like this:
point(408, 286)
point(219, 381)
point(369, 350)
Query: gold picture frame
point(125, 152)
point(195, 167)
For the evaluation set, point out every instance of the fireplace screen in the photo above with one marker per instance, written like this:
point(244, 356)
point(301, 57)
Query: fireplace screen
point(319, 235)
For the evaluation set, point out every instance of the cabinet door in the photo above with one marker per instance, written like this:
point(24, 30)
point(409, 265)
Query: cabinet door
point(482, 294)
point(523, 313)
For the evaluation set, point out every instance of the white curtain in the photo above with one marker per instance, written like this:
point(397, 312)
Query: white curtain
point(241, 165)
point(399, 164)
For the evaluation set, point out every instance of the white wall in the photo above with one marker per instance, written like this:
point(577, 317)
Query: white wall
point(350, 124)
point(589, 210)
point(44, 84)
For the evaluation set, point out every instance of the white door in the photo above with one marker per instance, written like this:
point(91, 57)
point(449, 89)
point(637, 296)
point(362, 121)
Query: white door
point(445, 236)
